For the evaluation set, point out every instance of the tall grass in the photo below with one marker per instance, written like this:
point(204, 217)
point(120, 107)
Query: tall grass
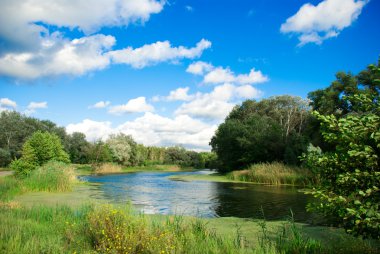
point(107, 168)
point(108, 229)
point(274, 173)
point(52, 177)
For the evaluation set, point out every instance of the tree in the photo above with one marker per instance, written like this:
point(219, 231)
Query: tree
point(350, 173)
point(123, 148)
point(98, 152)
point(270, 130)
point(16, 128)
point(40, 148)
point(77, 147)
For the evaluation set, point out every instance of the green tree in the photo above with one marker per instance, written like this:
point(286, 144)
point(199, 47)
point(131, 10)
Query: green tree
point(77, 147)
point(350, 174)
point(40, 148)
point(270, 130)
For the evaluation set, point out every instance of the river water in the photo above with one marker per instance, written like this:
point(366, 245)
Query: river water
point(155, 193)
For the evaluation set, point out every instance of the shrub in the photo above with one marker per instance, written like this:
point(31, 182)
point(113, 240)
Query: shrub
point(22, 167)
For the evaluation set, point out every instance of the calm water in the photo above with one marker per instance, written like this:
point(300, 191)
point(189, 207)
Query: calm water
point(155, 193)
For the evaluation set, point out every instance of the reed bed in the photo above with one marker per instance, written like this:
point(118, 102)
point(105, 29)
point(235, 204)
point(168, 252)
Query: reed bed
point(274, 173)
point(107, 168)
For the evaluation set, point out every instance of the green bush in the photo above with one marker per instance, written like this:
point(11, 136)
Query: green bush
point(350, 175)
point(22, 167)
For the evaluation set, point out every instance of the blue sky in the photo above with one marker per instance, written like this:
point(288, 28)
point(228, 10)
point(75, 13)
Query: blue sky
point(168, 72)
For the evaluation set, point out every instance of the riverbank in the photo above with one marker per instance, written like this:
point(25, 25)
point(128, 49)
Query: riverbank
point(262, 173)
point(107, 168)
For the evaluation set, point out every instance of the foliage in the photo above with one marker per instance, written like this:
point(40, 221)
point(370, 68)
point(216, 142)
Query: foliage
point(99, 152)
point(265, 131)
point(16, 128)
point(350, 176)
point(40, 148)
point(123, 148)
point(77, 147)
point(332, 100)
point(274, 173)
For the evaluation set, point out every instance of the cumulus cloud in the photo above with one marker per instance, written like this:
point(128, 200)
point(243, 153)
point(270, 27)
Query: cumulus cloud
point(180, 94)
point(33, 106)
point(219, 75)
point(153, 129)
point(24, 23)
point(314, 24)
point(157, 52)
point(93, 130)
point(218, 103)
point(59, 57)
point(7, 104)
point(100, 104)
point(136, 105)
point(199, 68)
point(80, 56)
point(33, 46)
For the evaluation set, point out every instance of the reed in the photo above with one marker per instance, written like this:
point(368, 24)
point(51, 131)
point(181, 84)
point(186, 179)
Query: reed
point(274, 173)
point(107, 168)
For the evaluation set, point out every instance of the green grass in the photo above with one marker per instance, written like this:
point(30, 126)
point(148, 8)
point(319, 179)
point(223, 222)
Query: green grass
point(274, 173)
point(109, 229)
point(52, 177)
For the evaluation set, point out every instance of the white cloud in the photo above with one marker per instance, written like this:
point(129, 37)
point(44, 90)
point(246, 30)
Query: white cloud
point(199, 68)
point(7, 104)
point(31, 108)
point(153, 129)
point(136, 105)
point(80, 56)
point(19, 30)
point(179, 94)
point(37, 105)
point(314, 24)
point(217, 104)
point(32, 45)
point(219, 75)
point(94, 130)
point(157, 52)
point(59, 57)
point(100, 104)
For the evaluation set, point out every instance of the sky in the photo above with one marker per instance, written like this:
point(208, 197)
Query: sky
point(169, 72)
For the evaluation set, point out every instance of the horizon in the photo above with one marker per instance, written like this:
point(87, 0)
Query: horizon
point(168, 73)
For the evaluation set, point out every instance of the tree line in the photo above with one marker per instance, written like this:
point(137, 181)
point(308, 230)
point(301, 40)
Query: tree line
point(16, 129)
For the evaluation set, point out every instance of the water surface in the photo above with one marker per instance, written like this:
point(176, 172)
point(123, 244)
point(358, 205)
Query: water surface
point(155, 193)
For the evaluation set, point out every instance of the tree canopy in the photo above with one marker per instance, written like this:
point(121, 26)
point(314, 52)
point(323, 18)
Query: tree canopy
point(272, 129)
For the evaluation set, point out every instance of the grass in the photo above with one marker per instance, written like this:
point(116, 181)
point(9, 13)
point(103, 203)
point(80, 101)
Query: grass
point(109, 229)
point(52, 177)
point(274, 173)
